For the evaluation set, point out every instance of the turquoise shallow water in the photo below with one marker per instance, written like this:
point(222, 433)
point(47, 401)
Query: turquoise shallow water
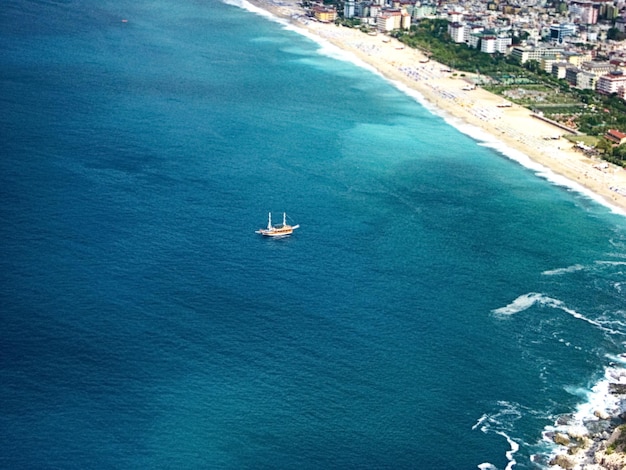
point(439, 307)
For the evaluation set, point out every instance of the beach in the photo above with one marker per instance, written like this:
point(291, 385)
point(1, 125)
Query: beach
point(516, 132)
point(447, 302)
point(472, 109)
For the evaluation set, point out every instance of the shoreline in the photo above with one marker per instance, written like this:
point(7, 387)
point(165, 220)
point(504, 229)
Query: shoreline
point(512, 130)
point(518, 134)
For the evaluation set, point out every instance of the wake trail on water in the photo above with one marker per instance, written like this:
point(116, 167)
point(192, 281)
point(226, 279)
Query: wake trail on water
point(502, 420)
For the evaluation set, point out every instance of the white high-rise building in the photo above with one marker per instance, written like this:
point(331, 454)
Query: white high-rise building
point(348, 9)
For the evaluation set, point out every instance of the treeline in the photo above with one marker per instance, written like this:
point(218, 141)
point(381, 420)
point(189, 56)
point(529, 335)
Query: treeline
point(600, 112)
point(431, 36)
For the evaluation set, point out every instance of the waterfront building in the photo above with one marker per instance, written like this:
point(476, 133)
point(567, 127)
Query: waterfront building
point(580, 79)
point(457, 32)
point(615, 136)
point(548, 61)
point(488, 44)
point(597, 68)
point(586, 81)
point(490, 41)
point(385, 22)
point(470, 30)
point(614, 82)
point(455, 16)
point(424, 10)
point(474, 40)
point(405, 20)
point(361, 9)
point(391, 19)
point(503, 43)
point(571, 75)
point(559, 69)
point(349, 8)
point(324, 14)
point(525, 53)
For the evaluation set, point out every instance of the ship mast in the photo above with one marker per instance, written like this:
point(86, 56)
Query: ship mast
point(284, 219)
point(269, 220)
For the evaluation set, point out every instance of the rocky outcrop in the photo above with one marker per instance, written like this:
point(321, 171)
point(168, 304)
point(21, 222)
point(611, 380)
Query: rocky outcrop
point(615, 461)
point(577, 443)
point(563, 461)
point(596, 444)
point(601, 414)
point(617, 388)
point(601, 445)
point(612, 454)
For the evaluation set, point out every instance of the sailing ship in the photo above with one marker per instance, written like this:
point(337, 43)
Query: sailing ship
point(281, 230)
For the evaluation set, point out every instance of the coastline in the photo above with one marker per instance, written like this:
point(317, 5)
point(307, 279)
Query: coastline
point(512, 130)
point(581, 440)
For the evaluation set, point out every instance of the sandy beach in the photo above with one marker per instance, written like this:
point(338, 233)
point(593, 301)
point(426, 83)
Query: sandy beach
point(514, 127)
point(448, 92)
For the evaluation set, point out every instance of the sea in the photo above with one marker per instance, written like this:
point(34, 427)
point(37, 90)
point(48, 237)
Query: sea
point(445, 303)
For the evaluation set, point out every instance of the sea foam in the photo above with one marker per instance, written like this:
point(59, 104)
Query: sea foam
point(597, 401)
point(500, 422)
point(254, 9)
point(482, 137)
point(567, 270)
point(525, 301)
point(510, 453)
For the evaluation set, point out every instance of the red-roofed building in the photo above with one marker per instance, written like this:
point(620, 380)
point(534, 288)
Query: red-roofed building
point(615, 82)
point(455, 16)
point(615, 136)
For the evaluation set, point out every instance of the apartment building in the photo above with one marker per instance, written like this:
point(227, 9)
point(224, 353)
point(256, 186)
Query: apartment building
point(614, 82)
point(525, 53)
point(324, 14)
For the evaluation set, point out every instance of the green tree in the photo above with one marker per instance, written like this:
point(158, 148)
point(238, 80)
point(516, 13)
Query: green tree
point(532, 66)
point(620, 152)
point(615, 34)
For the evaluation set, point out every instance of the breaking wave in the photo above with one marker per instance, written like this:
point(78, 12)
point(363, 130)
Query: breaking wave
point(483, 138)
point(599, 404)
point(499, 423)
point(559, 271)
point(254, 9)
point(526, 301)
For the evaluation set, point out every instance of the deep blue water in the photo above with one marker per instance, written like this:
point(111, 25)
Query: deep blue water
point(438, 303)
